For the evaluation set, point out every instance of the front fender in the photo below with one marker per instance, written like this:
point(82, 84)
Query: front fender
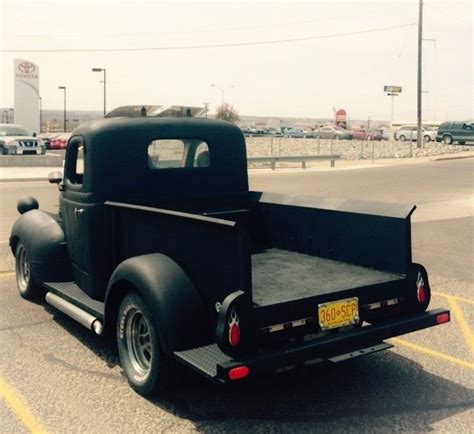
point(45, 244)
point(175, 304)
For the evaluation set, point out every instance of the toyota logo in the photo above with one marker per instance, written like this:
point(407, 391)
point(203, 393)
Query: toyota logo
point(26, 67)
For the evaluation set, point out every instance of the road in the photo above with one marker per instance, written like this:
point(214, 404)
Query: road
point(63, 378)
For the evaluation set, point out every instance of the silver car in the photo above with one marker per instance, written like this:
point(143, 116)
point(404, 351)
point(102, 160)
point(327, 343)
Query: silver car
point(15, 140)
point(409, 132)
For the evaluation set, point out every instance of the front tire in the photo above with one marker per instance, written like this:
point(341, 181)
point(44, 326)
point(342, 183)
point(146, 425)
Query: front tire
point(447, 139)
point(402, 138)
point(28, 288)
point(427, 139)
point(146, 367)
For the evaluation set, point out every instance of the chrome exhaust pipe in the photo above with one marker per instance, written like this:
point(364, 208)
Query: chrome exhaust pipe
point(77, 314)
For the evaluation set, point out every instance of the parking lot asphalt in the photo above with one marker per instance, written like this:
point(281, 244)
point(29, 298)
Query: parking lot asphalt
point(57, 376)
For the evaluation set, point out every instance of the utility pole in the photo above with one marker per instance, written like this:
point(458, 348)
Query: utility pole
point(419, 139)
point(64, 89)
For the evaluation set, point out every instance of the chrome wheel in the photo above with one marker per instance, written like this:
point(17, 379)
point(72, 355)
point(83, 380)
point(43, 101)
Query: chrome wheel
point(22, 269)
point(138, 341)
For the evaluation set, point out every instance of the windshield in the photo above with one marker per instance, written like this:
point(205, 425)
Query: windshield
point(12, 131)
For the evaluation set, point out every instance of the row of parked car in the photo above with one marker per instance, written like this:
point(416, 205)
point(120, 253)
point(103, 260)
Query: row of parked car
point(325, 132)
point(448, 133)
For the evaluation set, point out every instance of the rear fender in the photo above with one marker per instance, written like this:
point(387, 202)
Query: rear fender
point(45, 244)
point(175, 304)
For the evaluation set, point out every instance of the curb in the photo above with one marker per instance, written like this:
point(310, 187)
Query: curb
point(24, 179)
point(454, 158)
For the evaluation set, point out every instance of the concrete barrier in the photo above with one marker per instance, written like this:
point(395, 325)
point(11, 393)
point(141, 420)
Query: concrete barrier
point(47, 160)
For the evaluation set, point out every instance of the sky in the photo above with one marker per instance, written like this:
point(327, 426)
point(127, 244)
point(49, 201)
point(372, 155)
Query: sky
point(306, 77)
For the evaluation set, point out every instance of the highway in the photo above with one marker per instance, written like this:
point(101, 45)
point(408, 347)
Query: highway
point(57, 376)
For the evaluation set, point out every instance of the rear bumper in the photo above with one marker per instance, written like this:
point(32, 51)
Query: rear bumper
point(215, 365)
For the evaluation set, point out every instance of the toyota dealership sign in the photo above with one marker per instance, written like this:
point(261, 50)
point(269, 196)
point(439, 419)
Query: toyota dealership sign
point(26, 98)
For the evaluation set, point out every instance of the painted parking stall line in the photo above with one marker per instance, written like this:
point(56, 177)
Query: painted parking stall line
point(19, 407)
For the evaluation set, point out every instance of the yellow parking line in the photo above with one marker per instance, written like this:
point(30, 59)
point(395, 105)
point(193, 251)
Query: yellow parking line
point(464, 300)
point(19, 407)
point(7, 273)
point(433, 353)
point(463, 325)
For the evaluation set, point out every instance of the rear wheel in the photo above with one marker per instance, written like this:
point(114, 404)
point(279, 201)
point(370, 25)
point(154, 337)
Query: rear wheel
point(27, 286)
point(447, 139)
point(402, 138)
point(427, 138)
point(147, 368)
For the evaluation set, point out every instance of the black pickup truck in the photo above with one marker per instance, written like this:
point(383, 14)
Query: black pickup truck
point(159, 241)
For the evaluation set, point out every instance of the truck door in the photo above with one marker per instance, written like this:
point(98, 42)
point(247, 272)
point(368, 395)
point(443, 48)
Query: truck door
point(73, 204)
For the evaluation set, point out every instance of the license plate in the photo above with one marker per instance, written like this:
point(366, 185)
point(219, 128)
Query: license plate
point(338, 313)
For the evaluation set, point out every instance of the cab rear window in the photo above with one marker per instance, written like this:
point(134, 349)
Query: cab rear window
point(178, 153)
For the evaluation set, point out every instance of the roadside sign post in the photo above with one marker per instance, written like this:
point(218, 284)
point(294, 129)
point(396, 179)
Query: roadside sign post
point(392, 91)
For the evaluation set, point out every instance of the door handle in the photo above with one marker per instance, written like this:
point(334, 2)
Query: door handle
point(78, 211)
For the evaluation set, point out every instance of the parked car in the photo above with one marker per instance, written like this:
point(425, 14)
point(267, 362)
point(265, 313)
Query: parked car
point(450, 132)
point(297, 133)
point(46, 138)
point(365, 134)
point(15, 140)
point(332, 132)
point(384, 133)
point(409, 132)
point(60, 141)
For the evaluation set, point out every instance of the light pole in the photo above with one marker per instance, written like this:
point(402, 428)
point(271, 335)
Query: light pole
point(41, 113)
point(206, 107)
point(64, 89)
point(222, 89)
point(105, 86)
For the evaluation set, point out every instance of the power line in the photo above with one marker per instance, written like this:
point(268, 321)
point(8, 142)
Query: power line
point(199, 30)
point(195, 47)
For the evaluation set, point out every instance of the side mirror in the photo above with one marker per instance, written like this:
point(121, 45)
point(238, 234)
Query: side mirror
point(55, 177)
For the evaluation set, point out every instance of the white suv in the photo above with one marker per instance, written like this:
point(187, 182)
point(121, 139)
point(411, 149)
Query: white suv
point(15, 140)
point(409, 132)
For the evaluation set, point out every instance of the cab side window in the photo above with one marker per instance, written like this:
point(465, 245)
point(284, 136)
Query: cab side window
point(75, 161)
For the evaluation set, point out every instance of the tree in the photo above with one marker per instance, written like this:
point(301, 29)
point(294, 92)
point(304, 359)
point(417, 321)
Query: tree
point(228, 113)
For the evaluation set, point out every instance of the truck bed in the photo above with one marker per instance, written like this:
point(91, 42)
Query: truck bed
point(280, 276)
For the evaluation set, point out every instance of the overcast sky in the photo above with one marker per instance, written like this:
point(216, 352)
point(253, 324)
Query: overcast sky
point(296, 78)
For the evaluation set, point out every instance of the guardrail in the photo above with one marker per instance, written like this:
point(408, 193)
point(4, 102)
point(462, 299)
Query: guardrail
point(291, 158)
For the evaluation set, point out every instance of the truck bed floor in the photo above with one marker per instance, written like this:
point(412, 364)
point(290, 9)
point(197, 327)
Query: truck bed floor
point(280, 276)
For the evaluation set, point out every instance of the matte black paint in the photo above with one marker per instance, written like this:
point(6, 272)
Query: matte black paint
point(45, 243)
point(179, 312)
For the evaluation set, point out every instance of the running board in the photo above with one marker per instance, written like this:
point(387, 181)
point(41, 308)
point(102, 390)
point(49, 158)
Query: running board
point(361, 352)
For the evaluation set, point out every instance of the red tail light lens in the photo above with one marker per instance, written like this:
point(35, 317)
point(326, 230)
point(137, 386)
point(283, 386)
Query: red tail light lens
point(421, 294)
point(238, 373)
point(234, 335)
point(442, 318)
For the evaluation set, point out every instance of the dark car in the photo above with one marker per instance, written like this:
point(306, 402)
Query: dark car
point(450, 132)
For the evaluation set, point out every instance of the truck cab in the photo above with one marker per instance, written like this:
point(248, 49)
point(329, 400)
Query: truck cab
point(160, 242)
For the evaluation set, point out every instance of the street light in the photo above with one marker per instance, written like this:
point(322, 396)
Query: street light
point(64, 88)
point(105, 85)
point(222, 89)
